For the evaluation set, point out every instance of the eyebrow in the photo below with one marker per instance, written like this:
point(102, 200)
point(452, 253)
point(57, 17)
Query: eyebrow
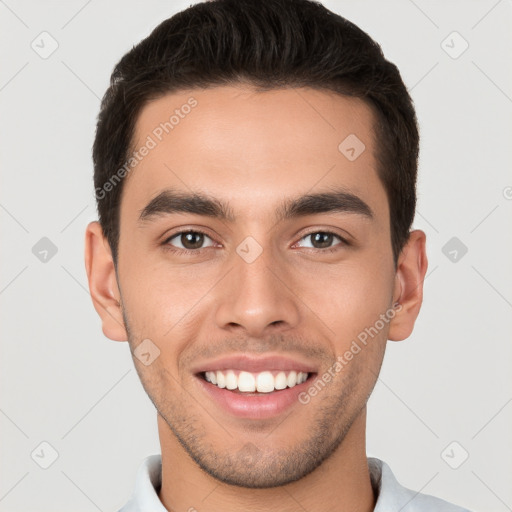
point(171, 201)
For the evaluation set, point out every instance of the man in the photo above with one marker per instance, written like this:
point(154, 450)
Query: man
point(255, 171)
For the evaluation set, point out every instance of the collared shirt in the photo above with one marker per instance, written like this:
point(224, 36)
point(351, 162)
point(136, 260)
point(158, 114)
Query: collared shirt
point(391, 496)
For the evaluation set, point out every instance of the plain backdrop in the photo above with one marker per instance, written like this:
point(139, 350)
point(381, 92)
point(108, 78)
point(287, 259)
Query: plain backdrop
point(441, 412)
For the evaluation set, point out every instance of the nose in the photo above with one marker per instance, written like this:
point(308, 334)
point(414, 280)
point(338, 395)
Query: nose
point(257, 297)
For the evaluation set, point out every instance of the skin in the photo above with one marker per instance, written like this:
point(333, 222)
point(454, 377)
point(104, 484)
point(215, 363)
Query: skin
point(253, 150)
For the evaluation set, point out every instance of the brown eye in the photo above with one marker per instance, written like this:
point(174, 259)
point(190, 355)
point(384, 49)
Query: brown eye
point(192, 240)
point(188, 240)
point(323, 240)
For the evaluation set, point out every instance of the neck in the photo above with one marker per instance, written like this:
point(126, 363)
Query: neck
point(341, 483)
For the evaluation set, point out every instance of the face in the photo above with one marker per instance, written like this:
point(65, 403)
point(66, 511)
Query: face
point(267, 276)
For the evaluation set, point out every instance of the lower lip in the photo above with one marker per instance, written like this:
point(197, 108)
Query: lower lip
point(254, 406)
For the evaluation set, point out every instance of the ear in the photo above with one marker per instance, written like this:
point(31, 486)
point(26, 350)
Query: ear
point(408, 292)
point(103, 284)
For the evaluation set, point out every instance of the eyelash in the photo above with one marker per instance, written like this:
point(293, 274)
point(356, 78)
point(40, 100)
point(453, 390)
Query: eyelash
point(178, 251)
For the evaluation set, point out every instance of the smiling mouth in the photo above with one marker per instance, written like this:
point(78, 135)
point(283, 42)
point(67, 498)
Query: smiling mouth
point(261, 382)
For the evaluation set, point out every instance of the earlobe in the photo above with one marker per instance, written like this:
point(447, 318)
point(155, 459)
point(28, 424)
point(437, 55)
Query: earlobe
point(410, 274)
point(103, 285)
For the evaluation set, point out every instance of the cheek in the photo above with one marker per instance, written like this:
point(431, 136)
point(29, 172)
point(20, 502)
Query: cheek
point(161, 302)
point(349, 298)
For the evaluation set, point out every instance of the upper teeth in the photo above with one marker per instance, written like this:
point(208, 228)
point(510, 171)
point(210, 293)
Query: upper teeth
point(264, 382)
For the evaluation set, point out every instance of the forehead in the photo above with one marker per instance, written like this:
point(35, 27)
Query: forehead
point(254, 148)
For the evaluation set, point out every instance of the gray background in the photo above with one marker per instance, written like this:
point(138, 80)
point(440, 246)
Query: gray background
point(64, 383)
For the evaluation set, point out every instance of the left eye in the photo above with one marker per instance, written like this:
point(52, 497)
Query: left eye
point(322, 239)
point(190, 240)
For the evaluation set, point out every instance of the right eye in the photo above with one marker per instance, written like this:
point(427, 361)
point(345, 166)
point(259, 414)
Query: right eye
point(189, 241)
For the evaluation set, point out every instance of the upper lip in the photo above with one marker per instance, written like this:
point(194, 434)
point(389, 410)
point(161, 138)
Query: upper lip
point(254, 364)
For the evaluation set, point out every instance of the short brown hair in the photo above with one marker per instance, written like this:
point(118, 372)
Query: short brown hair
point(269, 44)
